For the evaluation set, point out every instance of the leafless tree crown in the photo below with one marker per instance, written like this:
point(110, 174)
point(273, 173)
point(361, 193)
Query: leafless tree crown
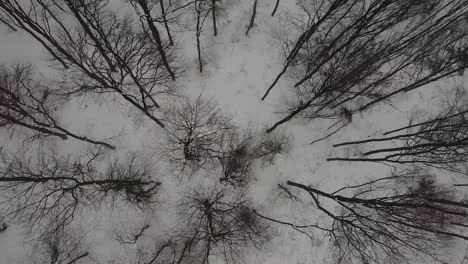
point(355, 54)
point(220, 224)
point(53, 189)
point(28, 103)
point(348, 56)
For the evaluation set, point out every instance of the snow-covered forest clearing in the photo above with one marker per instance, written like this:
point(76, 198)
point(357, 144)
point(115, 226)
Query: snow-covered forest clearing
point(233, 131)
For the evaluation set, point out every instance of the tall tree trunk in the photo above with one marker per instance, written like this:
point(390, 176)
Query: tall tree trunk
point(276, 8)
point(289, 117)
point(198, 32)
point(85, 139)
point(297, 47)
point(74, 9)
point(161, 2)
point(252, 18)
point(409, 88)
point(49, 130)
point(213, 11)
point(156, 36)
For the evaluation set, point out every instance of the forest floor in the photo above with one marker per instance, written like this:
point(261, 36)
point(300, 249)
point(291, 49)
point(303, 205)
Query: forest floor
point(238, 69)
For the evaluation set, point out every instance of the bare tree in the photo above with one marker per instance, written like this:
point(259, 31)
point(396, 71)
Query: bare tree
point(439, 141)
point(355, 54)
point(99, 50)
point(220, 223)
point(199, 136)
point(201, 11)
point(28, 103)
point(252, 18)
point(131, 238)
point(275, 8)
point(215, 223)
point(146, 17)
point(243, 149)
point(213, 16)
point(196, 132)
point(170, 251)
point(342, 122)
point(165, 22)
point(236, 160)
point(269, 146)
point(166, 252)
point(391, 219)
point(60, 246)
point(52, 189)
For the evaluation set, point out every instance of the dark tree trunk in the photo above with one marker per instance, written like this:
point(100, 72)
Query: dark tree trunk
point(368, 226)
point(198, 33)
point(289, 117)
point(343, 72)
point(88, 31)
point(440, 142)
point(163, 11)
point(412, 87)
point(276, 8)
point(213, 14)
point(85, 139)
point(78, 258)
point(56, 45)
point(252, 18)
point(156, 36)
point(47, 126)
point(297, 47)
point(59, 187)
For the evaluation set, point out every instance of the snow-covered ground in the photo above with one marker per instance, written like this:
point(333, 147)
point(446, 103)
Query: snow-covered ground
point(238, 70)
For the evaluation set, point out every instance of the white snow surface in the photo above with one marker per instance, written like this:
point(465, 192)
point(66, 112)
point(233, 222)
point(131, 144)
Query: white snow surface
point(237, 72)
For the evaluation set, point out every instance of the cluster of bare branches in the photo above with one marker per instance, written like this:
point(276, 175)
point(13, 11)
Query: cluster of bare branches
point(394, 219)
point(60, 246)
point(52, 189)
point(171, 251)
point(350, 56)
point(213, 224)
point(99, 50)
point(354, 54)
point(131, 238)
point(203, 9)
point(195, 132)
point(439, 141)
point(199, 136)
point(28, 103)
point(220, 223)
point(244, 149)
point(236, 161)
